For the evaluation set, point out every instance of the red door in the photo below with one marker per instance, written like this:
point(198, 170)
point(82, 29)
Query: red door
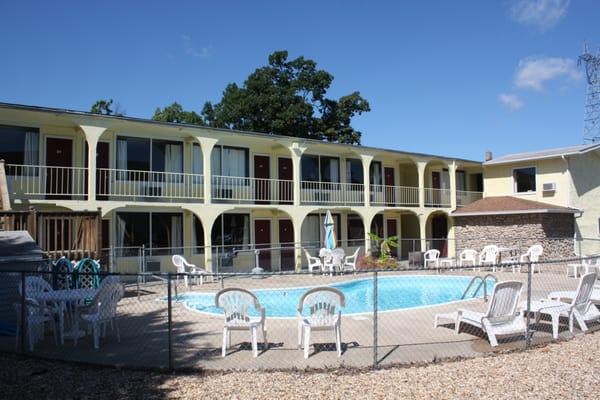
point(59, 159)
point(286, 242)
point(262, 184)
point(436, 183)
point(262, 238)
point(390, 182)
point(392, 230)
point(285, 173)
point(439, 234)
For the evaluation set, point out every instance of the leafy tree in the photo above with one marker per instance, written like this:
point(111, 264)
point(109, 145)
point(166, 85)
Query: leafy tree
point(288, 97)
point(176, 113)
point(103, 107)
point(385, 245)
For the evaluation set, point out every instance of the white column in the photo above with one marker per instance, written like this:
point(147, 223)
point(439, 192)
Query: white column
point(207, 145)
point(366, 164)
point(298, 251)
point(92, 135)
point(297, 150)
point(421, 165)
point(452, 173)
point(423, 231)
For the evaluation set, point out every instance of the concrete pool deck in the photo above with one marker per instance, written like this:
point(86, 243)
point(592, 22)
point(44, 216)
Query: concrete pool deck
point(404, 336)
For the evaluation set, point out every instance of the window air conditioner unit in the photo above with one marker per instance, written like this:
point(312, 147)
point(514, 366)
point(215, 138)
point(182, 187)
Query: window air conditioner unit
point(549, 187)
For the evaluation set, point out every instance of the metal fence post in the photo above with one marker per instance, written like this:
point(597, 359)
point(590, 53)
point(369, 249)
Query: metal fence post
point(23, 327)
point(375, 322)
point(529, 285)
point(169, 321)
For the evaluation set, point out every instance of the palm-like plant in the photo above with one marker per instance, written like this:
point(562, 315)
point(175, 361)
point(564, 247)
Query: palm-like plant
point(385, 245)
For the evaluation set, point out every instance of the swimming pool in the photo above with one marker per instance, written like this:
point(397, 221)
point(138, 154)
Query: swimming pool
point(394, 293)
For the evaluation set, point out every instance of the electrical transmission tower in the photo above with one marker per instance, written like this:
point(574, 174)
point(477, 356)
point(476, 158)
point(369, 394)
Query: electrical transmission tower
point(591, 119)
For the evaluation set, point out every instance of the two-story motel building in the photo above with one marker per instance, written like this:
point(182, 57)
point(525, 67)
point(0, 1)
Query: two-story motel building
point(208, 191)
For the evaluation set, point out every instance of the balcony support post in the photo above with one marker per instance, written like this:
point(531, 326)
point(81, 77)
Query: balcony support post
point(296, 150)
point(92, 136)
point(452, 173)
point(421, 165)
point(207, 145)
point(366, 163)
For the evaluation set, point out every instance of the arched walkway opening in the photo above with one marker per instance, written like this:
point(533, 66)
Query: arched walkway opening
point(438, 227)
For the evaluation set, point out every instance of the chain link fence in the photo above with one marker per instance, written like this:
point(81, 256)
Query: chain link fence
point(359, 318)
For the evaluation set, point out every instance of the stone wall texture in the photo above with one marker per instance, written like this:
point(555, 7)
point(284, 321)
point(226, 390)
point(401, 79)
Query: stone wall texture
point(554, 232)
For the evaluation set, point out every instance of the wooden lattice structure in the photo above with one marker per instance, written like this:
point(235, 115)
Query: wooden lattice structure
point(73, 234)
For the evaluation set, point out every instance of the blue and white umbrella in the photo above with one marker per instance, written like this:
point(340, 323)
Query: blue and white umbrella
point(330, 239)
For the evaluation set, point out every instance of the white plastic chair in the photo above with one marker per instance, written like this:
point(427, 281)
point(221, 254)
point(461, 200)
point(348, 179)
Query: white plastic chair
point(350, 262)
point(501, 317)
point(237, 304)
point(432, 257)
point(103, 308)
point(37, 284)
point(334, 262)
point(313, 262)
point(580, 309)
point(181, 264)
point(467, 257)
point(324, 305)
point(489, 256)
point(36, 317)
point(532, 255)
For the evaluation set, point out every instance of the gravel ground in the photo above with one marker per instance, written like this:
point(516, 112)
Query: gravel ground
point(566, 370)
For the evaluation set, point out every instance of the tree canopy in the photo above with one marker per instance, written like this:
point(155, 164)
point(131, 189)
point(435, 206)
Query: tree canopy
point(103, 107)
point(285, 97)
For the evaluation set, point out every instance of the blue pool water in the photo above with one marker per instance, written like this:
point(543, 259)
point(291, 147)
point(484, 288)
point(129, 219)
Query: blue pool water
point(394, 293)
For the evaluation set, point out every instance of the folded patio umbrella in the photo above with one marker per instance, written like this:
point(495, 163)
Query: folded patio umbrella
point(330, 238)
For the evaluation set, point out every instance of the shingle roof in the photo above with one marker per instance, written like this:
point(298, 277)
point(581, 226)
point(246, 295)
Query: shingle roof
point(549, 153)
point(509, 205)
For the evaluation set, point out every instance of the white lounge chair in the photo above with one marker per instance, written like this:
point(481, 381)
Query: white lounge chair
point(467, 257)
point(181, 264)
point(237, 304)
point(580, 309)
point(350, 262)
point(489, 256)
point(103, 309)
point(501, 317)
point(324, 305)
point(313, 262)
point(432, 257)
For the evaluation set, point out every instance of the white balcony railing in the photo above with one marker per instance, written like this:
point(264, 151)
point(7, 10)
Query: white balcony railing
point(327, 193)
point(40, 181)
point(148, 185)
point(252, 190)
point(437, 197)
point(464, 197)
point(394, 196)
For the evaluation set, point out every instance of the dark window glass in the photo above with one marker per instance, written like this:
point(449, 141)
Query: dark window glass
point(12, 144)
point(310, 168)
point(167, 233)
point(354, 171)
point(375, 173)
point(356, 229)
point(330, 169)
point(158, 155)
point(231, 230)
point(138, 154)
point(524, 180)
point(198, 236)
point(136, 228)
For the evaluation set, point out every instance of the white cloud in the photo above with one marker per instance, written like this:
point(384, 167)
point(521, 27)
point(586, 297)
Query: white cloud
point(544, 14)
point(511, 101)
point(190, 50)
point(534, 72)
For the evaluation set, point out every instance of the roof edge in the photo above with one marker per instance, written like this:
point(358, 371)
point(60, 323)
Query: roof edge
point(457, 213)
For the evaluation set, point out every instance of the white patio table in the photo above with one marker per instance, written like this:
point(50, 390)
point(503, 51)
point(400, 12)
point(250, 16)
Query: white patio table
point(61, 297)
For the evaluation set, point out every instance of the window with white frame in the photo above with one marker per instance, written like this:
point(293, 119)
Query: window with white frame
point(141, 154)
point(524, 180)
point(320, 169)
point(354, 171)
point(230, 161)
point(19, 145)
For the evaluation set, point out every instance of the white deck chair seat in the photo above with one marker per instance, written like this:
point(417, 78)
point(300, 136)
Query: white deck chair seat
point(501, 317)
point(237, 304)
point(350, 262)
point(570, 295)
point(314, 263)
point(185, 268)
point(324, 306)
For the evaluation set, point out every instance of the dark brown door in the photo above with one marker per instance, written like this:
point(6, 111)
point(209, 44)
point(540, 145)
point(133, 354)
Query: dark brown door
point(286, 242)
point(262, 184)
point(59, 159)
point(262, 238)
point(285, 173)
point(390, 181)
point(436, 183)
point(439, 234)
point(102, 164)
point(392, 230)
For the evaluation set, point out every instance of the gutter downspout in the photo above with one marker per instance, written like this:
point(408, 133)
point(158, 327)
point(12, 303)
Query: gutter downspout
point(576, 240)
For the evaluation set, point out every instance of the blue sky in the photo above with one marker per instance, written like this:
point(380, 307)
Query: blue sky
point(447, 77)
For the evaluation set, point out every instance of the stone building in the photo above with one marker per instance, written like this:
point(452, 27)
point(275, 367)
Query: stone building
point(515, 224)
